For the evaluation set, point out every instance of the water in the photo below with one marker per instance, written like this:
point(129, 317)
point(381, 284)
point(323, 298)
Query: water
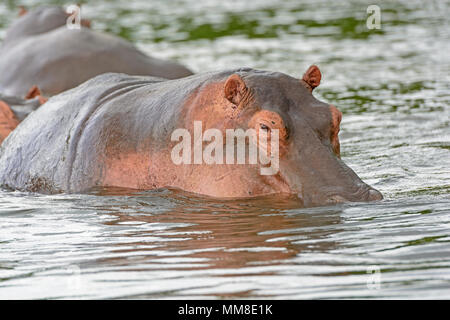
point(391, 84)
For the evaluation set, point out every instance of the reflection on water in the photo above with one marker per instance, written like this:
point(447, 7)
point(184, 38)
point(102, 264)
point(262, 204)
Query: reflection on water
point(228, 234)
point(392, 86)
point(165, 244)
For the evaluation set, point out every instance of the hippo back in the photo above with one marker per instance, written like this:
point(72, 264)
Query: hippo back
point(63, 58)
point(36, 21)
point(61, 147)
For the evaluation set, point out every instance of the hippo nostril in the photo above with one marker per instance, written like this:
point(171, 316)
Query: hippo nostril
point(374, 195)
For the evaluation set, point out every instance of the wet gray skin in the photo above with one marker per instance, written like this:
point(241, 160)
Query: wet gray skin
point(40, 50)
point(137, 114)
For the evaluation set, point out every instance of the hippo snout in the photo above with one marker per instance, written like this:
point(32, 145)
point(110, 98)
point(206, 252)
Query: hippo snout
point(374, 195)
point(369, 195)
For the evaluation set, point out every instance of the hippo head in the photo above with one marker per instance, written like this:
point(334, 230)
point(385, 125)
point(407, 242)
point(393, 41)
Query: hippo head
point(37, 21)
point(309, 151)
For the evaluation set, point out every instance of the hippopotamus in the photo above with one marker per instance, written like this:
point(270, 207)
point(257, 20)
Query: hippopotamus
point(117, 130)
point(39, 49)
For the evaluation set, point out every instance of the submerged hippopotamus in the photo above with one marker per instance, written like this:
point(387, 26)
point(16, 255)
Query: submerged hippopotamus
point(39, 49)
point(117, 130)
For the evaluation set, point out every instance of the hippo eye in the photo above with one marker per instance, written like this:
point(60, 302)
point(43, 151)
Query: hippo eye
point(264, 127)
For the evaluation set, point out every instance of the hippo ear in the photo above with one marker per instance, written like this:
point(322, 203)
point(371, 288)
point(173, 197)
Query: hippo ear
point(22, 11)
point(35, 92)
point(312, 77)
point(86, 23)
point(235, 89)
